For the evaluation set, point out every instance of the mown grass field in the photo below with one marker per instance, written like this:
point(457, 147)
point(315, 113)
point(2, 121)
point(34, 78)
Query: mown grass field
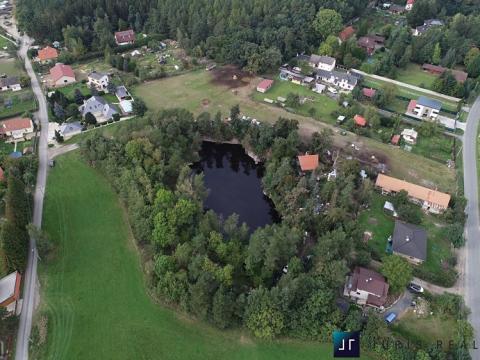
point(414, 75)
point(94, 294)
point(188, 91)
point(9, 66)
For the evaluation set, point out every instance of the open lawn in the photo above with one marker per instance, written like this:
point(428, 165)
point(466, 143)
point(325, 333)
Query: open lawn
point(21, 101)
point(69, 90)
point(322, 105)
point(381, 226)
point(192, 90)
point(414, 75)
point(94, 294)
point(437, 147)
point(10, 66)
point(426, 331)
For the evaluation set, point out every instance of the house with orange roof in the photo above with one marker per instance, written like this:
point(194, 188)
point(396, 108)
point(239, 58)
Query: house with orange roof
point(16, 129)
point(409, 5)
point(47, 54)
point(308, 162)
point(61, 75)
point(431, 200)
point(359, 120)
point(346, 33)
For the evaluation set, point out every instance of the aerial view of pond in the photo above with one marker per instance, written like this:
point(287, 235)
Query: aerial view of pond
point(234, 183)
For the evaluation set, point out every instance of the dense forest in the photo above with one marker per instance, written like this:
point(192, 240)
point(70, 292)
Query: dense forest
point(217, 270)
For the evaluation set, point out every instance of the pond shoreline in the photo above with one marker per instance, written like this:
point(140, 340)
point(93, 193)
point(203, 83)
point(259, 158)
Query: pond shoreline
point(235, 141)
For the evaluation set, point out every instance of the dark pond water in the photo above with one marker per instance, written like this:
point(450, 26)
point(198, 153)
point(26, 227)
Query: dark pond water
point(234, 182)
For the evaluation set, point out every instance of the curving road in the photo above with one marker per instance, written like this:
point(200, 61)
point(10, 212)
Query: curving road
point(30, 276)
point(472, 226)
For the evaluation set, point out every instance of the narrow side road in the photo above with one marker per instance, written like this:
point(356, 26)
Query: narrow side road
point(30, 275)
point(472, 226)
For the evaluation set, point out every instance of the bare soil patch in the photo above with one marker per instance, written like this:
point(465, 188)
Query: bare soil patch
point(230, 76)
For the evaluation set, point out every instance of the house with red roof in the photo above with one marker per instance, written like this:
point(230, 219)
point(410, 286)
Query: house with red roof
point(308, 162)
point(264, 85)
point(369, 93)
point(360, 120)
point(61, 75)
point(16, 129)
point(125, 37)
point(2, 175)
point(395, 139)
point(460, 76)
point(346, 33)
point(409, 5)
point(47, 54)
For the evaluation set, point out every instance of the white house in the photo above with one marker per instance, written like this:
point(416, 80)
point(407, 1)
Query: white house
point(326, 63)
point(10, 83)
point(98, 80)
point(93, 105)
point(17, 129)
point(424, 108)
point(410, 136)
point(344, 81)
point(61, 75)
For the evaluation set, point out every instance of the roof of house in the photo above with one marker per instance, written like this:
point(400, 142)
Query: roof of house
point(109, 110)
point(68, 128)
point(346, 33)
point(397, 8)
point(409, 240)
point(416, 191)
point(459, 75)
point(410, 132)
point(370, 93)
point(125, 36)
point(9, 81)
point(427, 24)
point(265, 84)
point(431, 103)
point(47, 53)
point(126, 106)
point(95, 102)
point(10, 288)
point(2, 174)
point(317, 59)
point(121, 91)
point(14, 124)
point(96, 75)
point(395, 139)
point(411, 105)
point(371, 282)
point(308, 162)
point(60, 70)
point(366, 42)
point(359, 120)
point(352, 80)
point(410, 2)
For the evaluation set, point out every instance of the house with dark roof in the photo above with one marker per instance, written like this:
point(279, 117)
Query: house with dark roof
point(344, 81)
point(99, 108)
point(424, 108)
point(10, 83)
point(459, 75)
point(366, 287)
point(427, 25)
point(125, 37)
point(291, 75)
point(371, 43)
point(67, 130)
point(322, 62)
point(410, 242)
point(122, 93)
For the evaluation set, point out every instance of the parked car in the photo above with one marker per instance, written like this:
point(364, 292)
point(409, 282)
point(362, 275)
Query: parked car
point(415, 288)
point(390, 317)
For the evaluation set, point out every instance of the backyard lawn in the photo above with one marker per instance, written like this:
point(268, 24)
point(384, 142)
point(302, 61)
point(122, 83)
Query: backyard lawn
point(94, 294)
point(322, 105)
point(20, 102)
point(381, 225)
point(10, 67)
point(414, 75)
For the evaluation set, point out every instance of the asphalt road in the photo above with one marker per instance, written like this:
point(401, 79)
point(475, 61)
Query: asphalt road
point(472, 226)
point(30, 275)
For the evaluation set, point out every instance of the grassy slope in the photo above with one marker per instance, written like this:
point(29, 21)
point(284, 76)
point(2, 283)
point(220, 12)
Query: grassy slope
point(94, 290)
point(188, 90)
